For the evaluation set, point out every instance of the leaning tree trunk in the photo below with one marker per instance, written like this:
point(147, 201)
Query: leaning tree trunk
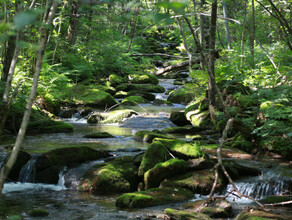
point(7, 166)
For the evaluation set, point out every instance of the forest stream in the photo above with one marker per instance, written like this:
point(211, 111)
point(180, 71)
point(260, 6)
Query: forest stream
point(63, 201)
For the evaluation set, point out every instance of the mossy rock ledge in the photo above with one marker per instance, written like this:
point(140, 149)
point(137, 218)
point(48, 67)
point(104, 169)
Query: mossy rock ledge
point(153, 197)
point(116, 116)
point(181, 96)
point(99, 135)
point(48, 165)
point(179, 119)
point(149, 136)
point(260, 215)
point(117, 176)
point(200, 181)
point(160, 171)
point(145, 78)
point(219, 208)
point(180, 215)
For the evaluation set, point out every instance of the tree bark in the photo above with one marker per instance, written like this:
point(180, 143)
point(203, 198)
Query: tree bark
point(5, 169)
point(9, 52)
point(242, 37)
point(252, 36)
point(73, 22)
point(176, 66)
point(133, 29)
point(185, 43)
point(226, 25)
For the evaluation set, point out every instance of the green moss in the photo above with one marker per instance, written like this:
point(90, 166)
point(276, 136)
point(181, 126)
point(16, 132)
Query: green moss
point(154, 154)
point(200, 181)
point(117, 176)
point(162, 102)
point(121, 94)
point(181, 96)
point(179, 214)
point(136, 99)
point(39, 213)
point(276, 199)
point(99, 135)
point(115, 79)
point(148, 136)
point(182, 130)
point(146, 95)
point(160, 171)
point(153, 197)
point(93, 96)
point(116, 116)
point(145, 78)
point(198, 118)
point(181, 148)
point(14, 217)
point(259, 215)
point(146, 88)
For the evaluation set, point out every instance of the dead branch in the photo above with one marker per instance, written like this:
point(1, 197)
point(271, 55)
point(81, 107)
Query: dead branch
point(176, 66)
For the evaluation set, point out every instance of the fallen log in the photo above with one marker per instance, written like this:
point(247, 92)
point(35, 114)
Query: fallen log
point(157, 54)
point(176, 66)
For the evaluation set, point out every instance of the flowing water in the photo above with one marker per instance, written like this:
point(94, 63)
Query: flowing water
point(63, 201)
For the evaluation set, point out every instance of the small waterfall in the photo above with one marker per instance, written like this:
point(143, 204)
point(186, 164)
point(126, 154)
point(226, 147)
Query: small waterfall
point(28, 171)
point(61, 181)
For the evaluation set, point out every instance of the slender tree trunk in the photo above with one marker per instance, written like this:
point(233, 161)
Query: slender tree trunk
point(9, 52)
point(133, 29)
point(4, 171)
point(252, 36)
point(73, 22)
point(242, 36)
point(185, 43)
point(226, 25)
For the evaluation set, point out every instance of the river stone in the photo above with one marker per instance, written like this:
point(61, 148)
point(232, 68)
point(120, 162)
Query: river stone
point(116, 116)
point(181, 96)
point(181, 149)
point(183, 130)
point(160, 102)
point(199, 118)
point(99, 135)
point(145, 78)
point(160, 171)
point(200, 181)
point(68, 112)
point(146, 95)
point(261, 215)
point(236, 170)
point(173, 214)
point(146, 88)
point(179, 119)
point(101, 99)
point(134, 100)
point(22, 159)
point(116, 79)
point(49, 165)
point(147, 123)
point(219, 208)
point(148, 136)
point(154, 154)
point(153, 197)
point(117, 176)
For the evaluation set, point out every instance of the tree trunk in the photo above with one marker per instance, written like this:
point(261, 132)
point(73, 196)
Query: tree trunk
point(9, 52)
point(252, 36)
point(176, 66)
point(73, 22)
point(133, 29)
point(7, 166)
point(242, 37)
point(185, 43)
point(226, 25)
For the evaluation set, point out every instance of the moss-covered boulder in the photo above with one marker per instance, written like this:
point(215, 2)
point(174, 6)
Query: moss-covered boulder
point(121, 94)
point(115, 79)
point(260, 215)
point(22, 158)
point(160, 102)
point(134, 100)
point(277, 199)
point(219, 208)
point(200, 181)
point(148, 136)
point(181, 96)
point(154, 154)
point(99, 135)
point(182, 130)
point(181, 149)
point(153, 197)
point(199, 118)
point(184, 215)
point(146, 88)
point(38, 213)
point(179, 119)
point(48, 165)
point(145, 78)
point(236, 170)
point(146, 95)
point(154, 176)
point(200, 164)
point(116, 116)
point(117, 176)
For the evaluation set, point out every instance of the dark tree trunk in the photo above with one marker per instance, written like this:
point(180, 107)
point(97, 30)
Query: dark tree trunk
point(73, 22)
point(11, 43)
